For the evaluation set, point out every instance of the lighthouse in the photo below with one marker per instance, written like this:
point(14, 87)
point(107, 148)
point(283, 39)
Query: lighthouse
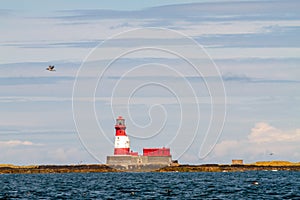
point(126, 159)
point(122, 144)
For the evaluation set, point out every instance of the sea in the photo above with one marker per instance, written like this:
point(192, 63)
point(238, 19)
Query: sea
point(170, 185)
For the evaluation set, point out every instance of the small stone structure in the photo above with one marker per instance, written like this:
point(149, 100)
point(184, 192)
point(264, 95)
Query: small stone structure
point(237, 162)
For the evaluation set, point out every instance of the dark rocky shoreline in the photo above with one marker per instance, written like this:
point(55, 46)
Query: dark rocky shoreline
point(55, 169)
point(95, 168)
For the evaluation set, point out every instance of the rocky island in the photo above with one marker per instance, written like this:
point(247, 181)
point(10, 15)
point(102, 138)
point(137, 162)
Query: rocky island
point(31, 169)
point(258, 166)
point(96, 168)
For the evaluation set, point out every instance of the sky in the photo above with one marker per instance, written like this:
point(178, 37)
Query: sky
point(212, 80)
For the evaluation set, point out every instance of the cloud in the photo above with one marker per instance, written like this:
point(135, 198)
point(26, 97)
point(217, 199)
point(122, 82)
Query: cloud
point(13, 143)
point(247, 79)
point(6, 12)
point(264, 133)
point(226, 11)
point(23, 153)
point(122, 25)
point(262, 35)
point(43, 44)
point(65, 155)
point(33, 80)
point(42, 37)
point(9, 99)
point(272, 36)
point(263, 140)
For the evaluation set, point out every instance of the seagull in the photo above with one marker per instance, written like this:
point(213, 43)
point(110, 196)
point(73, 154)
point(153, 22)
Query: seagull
point(50, 68)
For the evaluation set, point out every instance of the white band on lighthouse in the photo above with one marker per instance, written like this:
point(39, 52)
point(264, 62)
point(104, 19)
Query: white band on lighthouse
point(122, 142)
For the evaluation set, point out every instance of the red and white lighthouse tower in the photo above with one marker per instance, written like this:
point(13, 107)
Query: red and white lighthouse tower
point(122, 144)
point(124, 157)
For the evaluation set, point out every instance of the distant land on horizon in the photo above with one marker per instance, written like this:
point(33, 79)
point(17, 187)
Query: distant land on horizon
point(94, 168)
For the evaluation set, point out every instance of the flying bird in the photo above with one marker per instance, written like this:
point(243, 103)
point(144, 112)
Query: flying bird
point(50, 68)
